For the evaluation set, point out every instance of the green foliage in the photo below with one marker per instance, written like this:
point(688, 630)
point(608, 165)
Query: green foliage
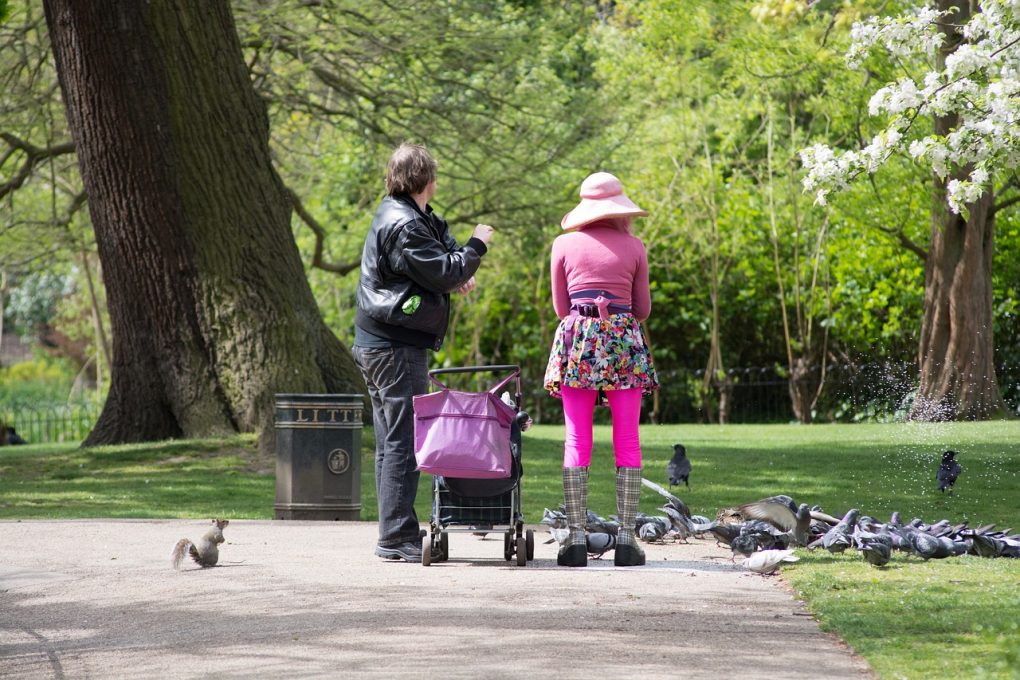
point(519, 101)
point(37, 383)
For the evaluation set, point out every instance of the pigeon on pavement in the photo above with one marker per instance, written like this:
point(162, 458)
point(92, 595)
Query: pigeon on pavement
point(671, 500)
point(767, 561)
point(599, 544)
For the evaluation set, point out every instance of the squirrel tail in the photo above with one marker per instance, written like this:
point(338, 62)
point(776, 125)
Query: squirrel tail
point(183, 547)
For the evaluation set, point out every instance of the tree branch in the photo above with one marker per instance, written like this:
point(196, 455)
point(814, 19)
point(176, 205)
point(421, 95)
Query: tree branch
point(1013, 183)
point(33, 156)
point(320, 236)
point(905, 241)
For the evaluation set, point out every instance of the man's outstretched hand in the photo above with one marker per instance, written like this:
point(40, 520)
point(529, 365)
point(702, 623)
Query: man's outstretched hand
point(483, 232)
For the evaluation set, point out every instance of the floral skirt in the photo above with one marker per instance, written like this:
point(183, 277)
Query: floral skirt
point(600, 354)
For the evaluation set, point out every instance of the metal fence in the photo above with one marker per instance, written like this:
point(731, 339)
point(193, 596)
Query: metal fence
point(48, 424)
point(845, 393)
point(849, 393)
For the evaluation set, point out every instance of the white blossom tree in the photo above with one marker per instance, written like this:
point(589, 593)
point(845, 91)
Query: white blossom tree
point(970, 87)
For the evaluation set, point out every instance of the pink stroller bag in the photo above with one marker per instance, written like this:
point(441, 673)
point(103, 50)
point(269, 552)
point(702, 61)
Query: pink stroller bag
point(463, 434)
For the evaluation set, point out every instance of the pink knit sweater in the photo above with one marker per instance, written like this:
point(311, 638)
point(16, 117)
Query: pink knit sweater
point(600, 257)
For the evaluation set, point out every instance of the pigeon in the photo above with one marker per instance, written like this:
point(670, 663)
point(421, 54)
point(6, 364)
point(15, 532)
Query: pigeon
point(767, 561)
point(986, 544)
point(10, 436)
point(744, 543)
point(653, 529)
point(929, 547)
point(671, 500)
point(595, 524)
point(599, 544)
point(558, 535)
point(725, 533)
point(838, 538)
point(680, 525)
point(679, 468)
point(949, 470)
point(876, 553)
point(554, 518)
point(780, 512)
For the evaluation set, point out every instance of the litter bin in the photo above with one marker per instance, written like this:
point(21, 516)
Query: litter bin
point(318, 456)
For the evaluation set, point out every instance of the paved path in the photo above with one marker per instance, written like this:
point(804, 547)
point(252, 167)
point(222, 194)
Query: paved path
point(98, 599)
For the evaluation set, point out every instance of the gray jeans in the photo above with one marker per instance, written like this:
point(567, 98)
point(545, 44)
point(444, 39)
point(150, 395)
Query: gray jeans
point(394, 375)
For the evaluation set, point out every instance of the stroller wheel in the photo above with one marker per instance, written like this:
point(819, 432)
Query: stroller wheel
point(529, 541)
point(522, 552)
point(426, 552)
point(508, 550)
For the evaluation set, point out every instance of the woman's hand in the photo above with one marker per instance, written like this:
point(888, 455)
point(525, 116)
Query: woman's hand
point(467, 287)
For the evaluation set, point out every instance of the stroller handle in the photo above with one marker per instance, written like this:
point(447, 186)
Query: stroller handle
point(477, 369)
point(515, 375)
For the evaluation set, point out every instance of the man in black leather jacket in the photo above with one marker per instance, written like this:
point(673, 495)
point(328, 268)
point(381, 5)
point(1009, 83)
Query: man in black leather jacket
point(409, 267)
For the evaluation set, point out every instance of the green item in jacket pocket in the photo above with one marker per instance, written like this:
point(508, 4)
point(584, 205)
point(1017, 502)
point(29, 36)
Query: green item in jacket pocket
point(411, 305)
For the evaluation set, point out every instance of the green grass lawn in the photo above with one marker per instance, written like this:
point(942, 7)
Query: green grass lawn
point(951, 618)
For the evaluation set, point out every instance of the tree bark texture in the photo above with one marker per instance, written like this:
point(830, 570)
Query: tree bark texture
point(957, 347)
point(210, 309)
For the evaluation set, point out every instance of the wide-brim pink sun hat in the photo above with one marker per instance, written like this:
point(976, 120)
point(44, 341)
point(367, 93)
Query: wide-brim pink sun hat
point(602, 197)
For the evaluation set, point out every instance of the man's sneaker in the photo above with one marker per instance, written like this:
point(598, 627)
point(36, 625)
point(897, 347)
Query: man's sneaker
point(409, 552)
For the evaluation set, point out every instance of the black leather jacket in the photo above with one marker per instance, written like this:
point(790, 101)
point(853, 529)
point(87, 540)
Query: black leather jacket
point(409, 267)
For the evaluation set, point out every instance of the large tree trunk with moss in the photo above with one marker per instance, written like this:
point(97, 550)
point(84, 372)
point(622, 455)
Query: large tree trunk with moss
point(210, 309)
point(957, 347)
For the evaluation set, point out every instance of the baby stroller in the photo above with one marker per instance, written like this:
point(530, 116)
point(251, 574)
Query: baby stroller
point(471, 444)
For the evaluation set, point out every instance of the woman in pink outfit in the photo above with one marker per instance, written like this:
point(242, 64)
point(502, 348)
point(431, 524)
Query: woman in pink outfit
point(600, 292)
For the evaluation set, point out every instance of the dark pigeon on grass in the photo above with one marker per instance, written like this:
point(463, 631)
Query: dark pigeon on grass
point(949, 470)
point(679, 468)
point(11, 437)
point(839, 538)
point(876, 553)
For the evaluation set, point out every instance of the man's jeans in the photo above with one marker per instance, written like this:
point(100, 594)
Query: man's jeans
point(394, 375)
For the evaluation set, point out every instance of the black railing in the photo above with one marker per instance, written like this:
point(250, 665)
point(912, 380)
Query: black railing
point(49, 424)
point(848, 393)
point(845, 393)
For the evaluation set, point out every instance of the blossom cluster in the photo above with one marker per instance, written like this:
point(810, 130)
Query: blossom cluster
point(978, 88)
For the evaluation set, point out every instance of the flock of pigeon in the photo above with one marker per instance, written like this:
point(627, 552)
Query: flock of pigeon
point(764, 532)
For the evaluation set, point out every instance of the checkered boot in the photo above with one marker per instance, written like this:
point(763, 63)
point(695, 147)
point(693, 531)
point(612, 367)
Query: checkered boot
point(628, 491)
point(574, 552)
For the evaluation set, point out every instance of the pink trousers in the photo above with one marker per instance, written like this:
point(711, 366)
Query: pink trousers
point(578, 408)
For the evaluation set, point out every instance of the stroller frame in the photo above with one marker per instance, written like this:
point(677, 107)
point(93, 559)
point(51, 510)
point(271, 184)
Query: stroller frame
point(454, 512)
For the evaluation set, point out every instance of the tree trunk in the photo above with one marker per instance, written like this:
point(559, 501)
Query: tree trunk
point(957, 347)
point(803, 387)
point(210, 310)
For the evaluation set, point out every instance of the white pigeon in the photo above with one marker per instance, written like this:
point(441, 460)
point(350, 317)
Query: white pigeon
point(767, 561)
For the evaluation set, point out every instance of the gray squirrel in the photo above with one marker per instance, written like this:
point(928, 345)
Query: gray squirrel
point(205, 552)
